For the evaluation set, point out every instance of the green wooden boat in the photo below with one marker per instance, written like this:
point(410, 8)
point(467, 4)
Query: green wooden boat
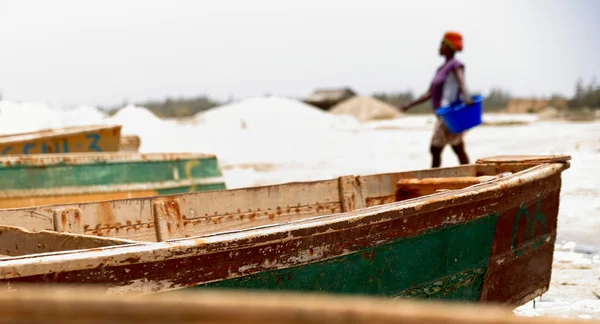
point(35, 180)
point(482, 232)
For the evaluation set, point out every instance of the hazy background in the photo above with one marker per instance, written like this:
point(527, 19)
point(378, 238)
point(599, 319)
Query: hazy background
point(165, 56)
point(106, 52)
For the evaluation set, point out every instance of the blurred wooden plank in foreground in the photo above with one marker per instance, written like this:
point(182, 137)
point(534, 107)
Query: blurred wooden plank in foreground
point(26, 304)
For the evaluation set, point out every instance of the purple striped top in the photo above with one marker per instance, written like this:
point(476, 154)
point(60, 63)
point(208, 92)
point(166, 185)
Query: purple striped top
point(437, 85)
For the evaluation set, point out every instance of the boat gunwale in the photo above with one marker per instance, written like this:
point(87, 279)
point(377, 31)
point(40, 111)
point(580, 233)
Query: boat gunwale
point(107, 188)
point(56, 132)
point(86, 158)
point(122, 255)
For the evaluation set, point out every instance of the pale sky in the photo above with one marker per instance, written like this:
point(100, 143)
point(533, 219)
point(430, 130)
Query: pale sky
point(62, 52)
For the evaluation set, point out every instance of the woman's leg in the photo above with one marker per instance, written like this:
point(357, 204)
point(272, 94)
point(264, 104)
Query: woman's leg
point(438, 142)
point(436, 156)
point(459, 149)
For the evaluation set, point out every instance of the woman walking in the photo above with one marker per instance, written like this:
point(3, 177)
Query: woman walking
point(447, 85)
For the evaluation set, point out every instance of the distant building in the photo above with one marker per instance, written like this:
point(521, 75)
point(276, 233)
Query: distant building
point(327, 98)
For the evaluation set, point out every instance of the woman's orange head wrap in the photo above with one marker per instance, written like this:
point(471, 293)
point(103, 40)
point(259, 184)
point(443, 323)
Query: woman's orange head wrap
point(454, 41)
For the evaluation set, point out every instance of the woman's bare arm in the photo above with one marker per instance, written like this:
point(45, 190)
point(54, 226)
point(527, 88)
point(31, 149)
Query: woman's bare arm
point(424, 97)
point(459, 74)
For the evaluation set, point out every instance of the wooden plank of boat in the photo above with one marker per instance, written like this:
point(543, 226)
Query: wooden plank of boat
point(52, 241)
point(35, 180)
point(488, 242)
point(520, 159)
point(92, 138)
point(43, 305)
point(129, 143)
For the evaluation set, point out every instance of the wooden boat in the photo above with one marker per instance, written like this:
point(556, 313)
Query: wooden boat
point(82, 306)
point(129, 143)
point(35, 180)
point(483, 232)
point(93, 138)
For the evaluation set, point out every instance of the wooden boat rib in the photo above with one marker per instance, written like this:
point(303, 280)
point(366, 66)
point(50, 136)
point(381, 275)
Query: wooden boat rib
point(35, 180)
point(489, 242)
point(129, 143)
point(82, 306)
point(91, 138)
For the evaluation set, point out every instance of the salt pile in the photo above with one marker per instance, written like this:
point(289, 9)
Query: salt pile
point(26, 117)
point(80, 116)
point(366, 108)
point(267, 113)
point(136, 120)
point(155, 134)
point(30, 117)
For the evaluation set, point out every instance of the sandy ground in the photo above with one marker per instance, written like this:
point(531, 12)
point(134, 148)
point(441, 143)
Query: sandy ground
point(574, 289)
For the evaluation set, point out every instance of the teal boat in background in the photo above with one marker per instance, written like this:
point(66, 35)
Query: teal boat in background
point(36, 180)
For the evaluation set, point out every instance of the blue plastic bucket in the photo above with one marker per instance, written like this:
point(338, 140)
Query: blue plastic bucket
point(459, 117)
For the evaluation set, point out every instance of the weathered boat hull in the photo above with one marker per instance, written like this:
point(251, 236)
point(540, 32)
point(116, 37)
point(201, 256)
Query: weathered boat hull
point(93, 138)
point(490, 242)
point(36, 180)
point(478, 258)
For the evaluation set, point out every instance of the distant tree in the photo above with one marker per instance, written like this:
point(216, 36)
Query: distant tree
point(592, 86)
point(585, 96)
point(179, 107)
point(496, 100)
point(577, 101)
point(558, 101)
point(579, 89)
point(399, 98)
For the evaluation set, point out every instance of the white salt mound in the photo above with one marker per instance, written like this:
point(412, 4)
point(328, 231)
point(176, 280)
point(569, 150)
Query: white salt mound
point(136, 120)
point(80, 116)
point(264, 113)
point(366, 108)
point(26, 117)
point(31, 117)
point(156, 135)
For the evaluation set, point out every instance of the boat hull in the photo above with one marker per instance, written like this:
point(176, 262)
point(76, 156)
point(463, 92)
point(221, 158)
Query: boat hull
point(497, 257)
point(492, 242)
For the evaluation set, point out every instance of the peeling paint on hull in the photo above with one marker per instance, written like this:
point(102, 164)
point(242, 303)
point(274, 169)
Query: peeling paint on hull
point(448, 263)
